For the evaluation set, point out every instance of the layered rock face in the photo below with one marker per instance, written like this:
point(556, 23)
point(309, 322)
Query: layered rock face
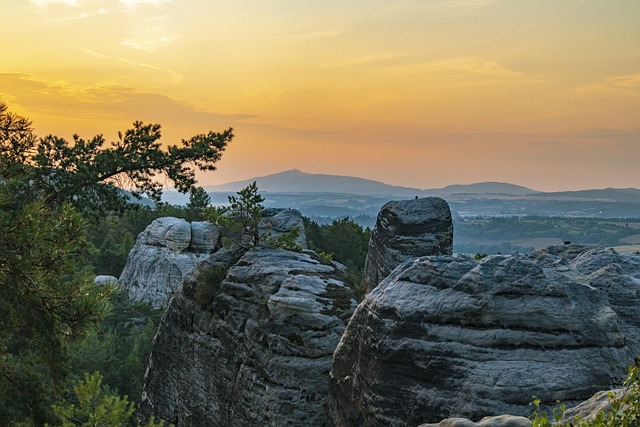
point(163, 255)
point(404, 230)
point(250, 346)
point(447, 336)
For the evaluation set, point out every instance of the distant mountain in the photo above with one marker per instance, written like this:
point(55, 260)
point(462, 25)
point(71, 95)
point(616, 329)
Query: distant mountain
point(324, 197)
point(296, 181)
point(499, 188)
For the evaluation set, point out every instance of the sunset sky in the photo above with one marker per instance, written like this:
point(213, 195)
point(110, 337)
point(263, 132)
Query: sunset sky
point(422, 93)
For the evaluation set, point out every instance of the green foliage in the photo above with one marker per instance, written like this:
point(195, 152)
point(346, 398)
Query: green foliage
point(48, 187)
point(343, 241)
point(209, 281)
point(44, 299)
point(625, 408)
point(96, 407)
point(241, 218)
point(327, 258)
point(479, 256)
point(540, 418)
point(118, 347)
point(199, 200)
point(90, 174)
point(286, 240)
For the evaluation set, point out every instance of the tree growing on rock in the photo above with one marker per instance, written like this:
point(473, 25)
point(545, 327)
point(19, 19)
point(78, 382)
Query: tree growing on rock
point(240, 220)
point(47, 188)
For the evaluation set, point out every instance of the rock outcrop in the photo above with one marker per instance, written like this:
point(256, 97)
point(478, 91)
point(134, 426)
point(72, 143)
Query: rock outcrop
point(447, 336)
point(405, 230)
point(103, 280)
point(497, 421)
point(163, 255)
point(249, 341)
point(277, 222)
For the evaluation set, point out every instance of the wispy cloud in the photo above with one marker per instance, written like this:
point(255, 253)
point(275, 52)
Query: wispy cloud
point(624, 84)
point(419, 64)
point(45, 3)
point(105, 100)
point(141, 2)
point(151, 24)
point(632, 80)
point(174, 76)
point(307, 36)
point(151, 43)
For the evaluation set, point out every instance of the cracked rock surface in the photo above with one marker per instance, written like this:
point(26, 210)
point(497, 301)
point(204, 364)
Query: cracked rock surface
point(407, 229)
point(256, 349)
point(447, 336)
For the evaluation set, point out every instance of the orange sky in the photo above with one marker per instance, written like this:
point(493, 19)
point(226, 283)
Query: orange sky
point(422, 93)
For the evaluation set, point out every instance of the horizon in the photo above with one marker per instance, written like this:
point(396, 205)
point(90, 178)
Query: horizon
point(544, 95)
point(417, 188)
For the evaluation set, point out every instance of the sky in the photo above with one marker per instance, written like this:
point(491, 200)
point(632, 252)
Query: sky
point(420, 93)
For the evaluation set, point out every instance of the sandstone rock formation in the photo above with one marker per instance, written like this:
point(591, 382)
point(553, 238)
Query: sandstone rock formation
point(163, 255)
point(404, 230)
point(276, 222)
point(497, 421)
point(103, 280)
point(249, 341)
point(446, 336)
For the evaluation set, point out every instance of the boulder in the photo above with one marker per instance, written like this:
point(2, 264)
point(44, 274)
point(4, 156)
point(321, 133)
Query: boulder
point(163, 255)
point(276, 222)
point(497, 421)
point(447, 336)
point(248, 341)
point(205, 237)
point(589, 409)
point(168, 232)
point(103, 280)
point(405, 230)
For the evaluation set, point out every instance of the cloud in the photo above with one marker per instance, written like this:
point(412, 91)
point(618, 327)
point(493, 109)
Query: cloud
point(174, 77)
point(471, 64)
point(58, 10)
point(417, 63)
point(307, 36)
point(134, 3)
point(45, 3)
point(151, 43)
point(632, 80)
point(105, 101)
point(151, 24)
point(621, 85)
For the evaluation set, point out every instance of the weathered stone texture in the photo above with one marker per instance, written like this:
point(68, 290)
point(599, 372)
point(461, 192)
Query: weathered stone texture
point(405, 230)
point(260, 353)
point(163, 255)
point(447, 336)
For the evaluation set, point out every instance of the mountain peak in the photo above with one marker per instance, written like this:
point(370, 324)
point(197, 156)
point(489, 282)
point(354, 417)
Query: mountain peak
point(297, 181)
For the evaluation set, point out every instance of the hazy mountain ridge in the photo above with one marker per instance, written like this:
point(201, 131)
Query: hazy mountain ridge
point(296, 181)
point(332, 196)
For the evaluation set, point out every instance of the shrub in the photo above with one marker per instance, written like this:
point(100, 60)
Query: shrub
point(209, 281)
point(625, 408)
